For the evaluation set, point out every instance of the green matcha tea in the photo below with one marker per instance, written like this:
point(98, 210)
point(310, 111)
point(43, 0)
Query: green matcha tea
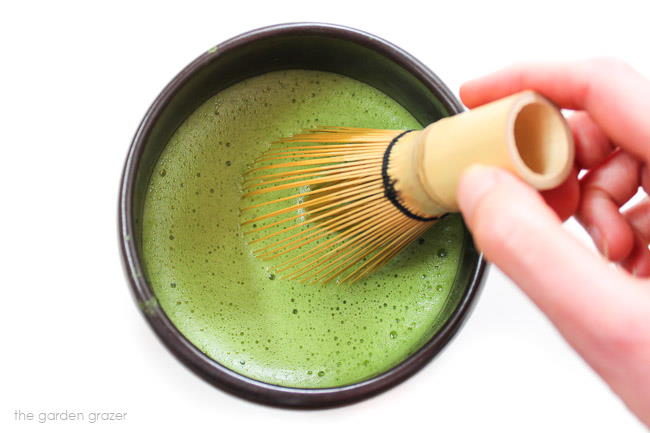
point(226, 301)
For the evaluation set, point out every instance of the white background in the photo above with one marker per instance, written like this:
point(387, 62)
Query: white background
point(76, 80)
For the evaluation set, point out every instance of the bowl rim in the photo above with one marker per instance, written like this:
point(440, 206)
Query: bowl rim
point(189, 355)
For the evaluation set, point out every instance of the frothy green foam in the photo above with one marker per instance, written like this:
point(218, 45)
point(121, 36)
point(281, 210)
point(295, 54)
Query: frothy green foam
point(226, 301)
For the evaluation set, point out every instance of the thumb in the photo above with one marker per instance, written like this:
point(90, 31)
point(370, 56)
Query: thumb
point(515, 229)
point(600, 310)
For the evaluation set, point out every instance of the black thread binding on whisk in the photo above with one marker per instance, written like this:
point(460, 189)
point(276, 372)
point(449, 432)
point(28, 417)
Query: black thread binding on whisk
point(389, 184)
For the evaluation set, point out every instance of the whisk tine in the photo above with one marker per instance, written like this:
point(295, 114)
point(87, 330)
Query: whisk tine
point(302, 195)
point(311, 265)
point(312, 220)
point(383, 256)
point(314, 154)
point(342, 221)
point(336, 174)
point(316, 161)
point(357, 254)
point(371, 189)
point(339, 135)
point(337, 222)
point(340, 166)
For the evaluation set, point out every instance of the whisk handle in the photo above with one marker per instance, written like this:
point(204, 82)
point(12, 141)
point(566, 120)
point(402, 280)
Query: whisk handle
point(524, 133)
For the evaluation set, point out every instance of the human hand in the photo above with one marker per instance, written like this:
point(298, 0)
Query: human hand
point(603, 310)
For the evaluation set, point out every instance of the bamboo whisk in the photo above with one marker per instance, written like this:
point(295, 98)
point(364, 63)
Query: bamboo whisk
point(335, 203)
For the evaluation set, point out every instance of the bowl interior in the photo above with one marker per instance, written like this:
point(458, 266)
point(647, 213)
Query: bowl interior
point(352, 54)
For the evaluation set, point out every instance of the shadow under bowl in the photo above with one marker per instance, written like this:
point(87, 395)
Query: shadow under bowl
point(322, 47)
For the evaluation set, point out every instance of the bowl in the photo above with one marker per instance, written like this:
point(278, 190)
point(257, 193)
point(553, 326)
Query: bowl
point(324, 47)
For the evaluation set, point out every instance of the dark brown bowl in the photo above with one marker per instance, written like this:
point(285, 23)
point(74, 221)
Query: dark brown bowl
point(324, 47)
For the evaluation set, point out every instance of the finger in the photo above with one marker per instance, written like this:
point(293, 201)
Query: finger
point(645, 179)
point(560, 82)
point(601, 311)
point(615, 95)
point(638, 261)
point(638, 216)
point(592, 148)
point(603, 191)
point(514, 228)
point(565, 198)
point(592, 145)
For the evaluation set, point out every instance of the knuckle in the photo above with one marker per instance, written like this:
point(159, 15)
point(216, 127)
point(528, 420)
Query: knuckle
point(598, 70)
point(607, 64)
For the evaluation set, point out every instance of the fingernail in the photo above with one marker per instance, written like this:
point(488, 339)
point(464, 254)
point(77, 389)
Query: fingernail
point(476, 181)
point(599, 240)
